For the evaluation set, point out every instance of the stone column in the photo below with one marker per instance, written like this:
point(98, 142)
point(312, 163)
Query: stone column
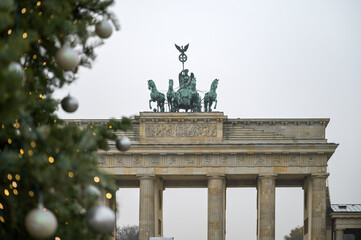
point(146, 207)
point(318, 224)
point(339, 234)
point(266, 192)
point(216, 207)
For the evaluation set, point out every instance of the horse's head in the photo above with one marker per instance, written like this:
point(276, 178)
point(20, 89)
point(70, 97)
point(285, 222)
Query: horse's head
point(214, 84)
point(171, 83)
point(150, 84)
point(194, 82)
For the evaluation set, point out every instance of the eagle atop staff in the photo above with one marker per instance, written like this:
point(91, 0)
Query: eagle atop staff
point(182, 49)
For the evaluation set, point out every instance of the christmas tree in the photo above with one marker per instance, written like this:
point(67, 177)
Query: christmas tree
point(48, 169)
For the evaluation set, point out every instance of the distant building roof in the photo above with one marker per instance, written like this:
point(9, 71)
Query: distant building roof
point(346, 208)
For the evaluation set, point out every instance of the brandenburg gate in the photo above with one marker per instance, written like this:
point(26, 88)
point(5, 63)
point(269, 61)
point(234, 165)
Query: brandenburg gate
point(210, 150)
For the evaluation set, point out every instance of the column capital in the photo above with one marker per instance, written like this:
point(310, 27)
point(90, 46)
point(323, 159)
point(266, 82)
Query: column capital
point(146, 176)
point(267, 176)
point(216, 176)
point(320, 175)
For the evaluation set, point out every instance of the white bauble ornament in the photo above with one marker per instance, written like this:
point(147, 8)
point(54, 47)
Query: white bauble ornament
point(103, 29)
point(67, 58)
point(123, 144)
point(41, 223)
point(18, 69)
point(101, 219)
point(69, 104)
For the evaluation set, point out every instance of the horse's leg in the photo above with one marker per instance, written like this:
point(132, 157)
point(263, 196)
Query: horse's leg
point(162, 106)
point(215, 105)
point(150, 104)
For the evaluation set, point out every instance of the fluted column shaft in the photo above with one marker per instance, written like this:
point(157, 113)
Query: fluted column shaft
point(146, 207)
point(216, 207)
point(318, 228)
point(266, 192)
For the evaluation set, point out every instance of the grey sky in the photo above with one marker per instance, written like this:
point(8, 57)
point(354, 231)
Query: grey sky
point(274, 59)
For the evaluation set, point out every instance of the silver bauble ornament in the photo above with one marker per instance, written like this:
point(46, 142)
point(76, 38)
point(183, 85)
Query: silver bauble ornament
point(123, 144)
point(67, 58)
point(103, 29)
point(18, 69)
point(101, 219)
point(69, 104)
point(92, 191)
point(41, 223)
point(92, 195)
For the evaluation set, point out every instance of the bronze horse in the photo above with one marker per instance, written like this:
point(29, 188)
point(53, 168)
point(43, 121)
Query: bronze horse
point(211, 97)
point(156, 96)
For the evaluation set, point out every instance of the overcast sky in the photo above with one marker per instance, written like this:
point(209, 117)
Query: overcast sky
point(274, 59)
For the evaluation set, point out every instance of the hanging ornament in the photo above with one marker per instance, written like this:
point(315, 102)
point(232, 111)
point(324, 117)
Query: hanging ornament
point(67, 58)
point(41, 222)
point(69, 104)
point(101, 219)
point(92, 195)
point(18, 69)
point(123, 144)
point(103, 29)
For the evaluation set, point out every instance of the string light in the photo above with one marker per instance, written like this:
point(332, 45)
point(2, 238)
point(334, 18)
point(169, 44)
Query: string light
point(6, 192)
point(34, 56)
point(15, 185)
point(2, 126)
point(38, 3)
point(41, 96)
point(96, 179)
point(51, 159)
point(23, 10)
point(21, 151)
point(109, 195)
point(1, 206)
point(9, 140)
point(44, 63)
point(30, 153)
point(40, 41)
point(70, 174)
point(94, 133)
point(10, 177)
point(15, 192)
point(31, 193)
point(10, 31)
point(2, 219)
point(16, 124)
point(40, 13)
point(33, 144)
point(17, 177)
point(110, 127)
point(25, 35)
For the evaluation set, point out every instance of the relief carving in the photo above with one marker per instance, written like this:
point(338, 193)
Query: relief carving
point(241, 160)
point(293, 160)
point(276, 160)
point(102, 160)
point(171, 160)
point(181, 130)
